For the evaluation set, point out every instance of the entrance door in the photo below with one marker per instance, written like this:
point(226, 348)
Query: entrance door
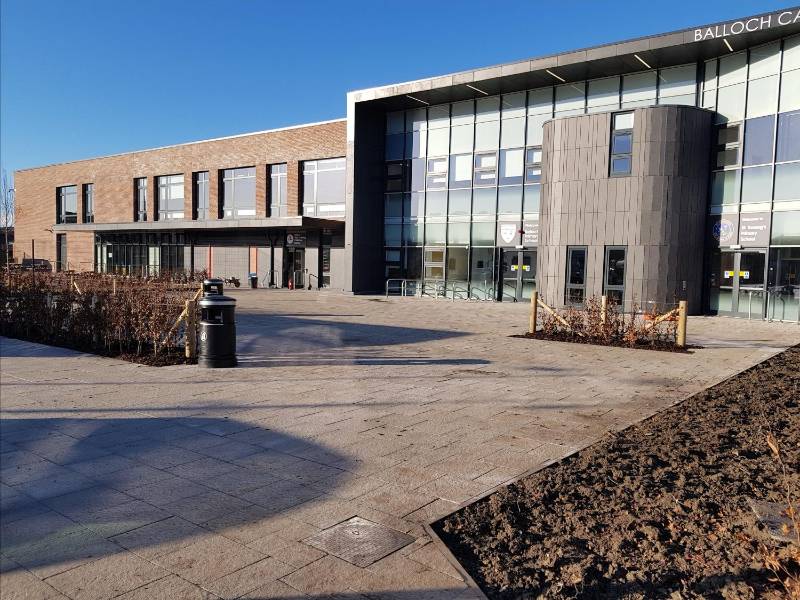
point(518, 275)
point(294, 263)
point(737, 283)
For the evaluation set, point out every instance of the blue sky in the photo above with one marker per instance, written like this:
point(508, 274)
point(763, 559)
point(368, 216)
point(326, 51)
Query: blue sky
point(83, 78)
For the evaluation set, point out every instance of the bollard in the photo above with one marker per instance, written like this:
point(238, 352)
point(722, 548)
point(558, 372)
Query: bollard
point(534, 309)
point(681, 334)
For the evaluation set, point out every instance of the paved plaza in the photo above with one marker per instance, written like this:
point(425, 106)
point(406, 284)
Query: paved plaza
point(121, 480)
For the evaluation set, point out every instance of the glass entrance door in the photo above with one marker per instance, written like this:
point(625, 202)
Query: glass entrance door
point(737, 283)
point(518, 275)
point(294, 263)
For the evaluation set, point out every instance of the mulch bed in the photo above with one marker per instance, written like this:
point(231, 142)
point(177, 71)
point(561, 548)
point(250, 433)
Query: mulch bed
point(662, 346)
point(656, 511)
point(171, 356)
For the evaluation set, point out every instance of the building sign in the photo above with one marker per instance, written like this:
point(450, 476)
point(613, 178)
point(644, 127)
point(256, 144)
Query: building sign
point(508, 233)
point(724, 230)
point(776, 19)
point(296, 239)
point(530, 235)
point(754, 229)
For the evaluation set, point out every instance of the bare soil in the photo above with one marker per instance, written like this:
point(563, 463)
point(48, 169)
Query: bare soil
point(656, 511)
point(661, 345)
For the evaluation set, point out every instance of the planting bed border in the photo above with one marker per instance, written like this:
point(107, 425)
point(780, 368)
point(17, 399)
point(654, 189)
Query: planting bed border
point(429, 526)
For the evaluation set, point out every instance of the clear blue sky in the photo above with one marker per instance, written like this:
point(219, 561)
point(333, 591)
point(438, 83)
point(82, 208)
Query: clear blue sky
point(82, 78)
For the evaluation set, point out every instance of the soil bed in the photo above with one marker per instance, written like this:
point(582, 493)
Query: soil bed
point(661, 346)
point(166, 357)
point(658, 510)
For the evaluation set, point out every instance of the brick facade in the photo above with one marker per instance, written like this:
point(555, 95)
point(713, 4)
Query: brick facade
point(113, 177)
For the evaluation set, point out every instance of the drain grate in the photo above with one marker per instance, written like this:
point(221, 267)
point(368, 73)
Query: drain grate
point(359, 541)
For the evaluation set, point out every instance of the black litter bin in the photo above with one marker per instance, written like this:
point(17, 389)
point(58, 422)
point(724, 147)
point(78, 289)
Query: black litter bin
point(217, 343)
point(254, 280)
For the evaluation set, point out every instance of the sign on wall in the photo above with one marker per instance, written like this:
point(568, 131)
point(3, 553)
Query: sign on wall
point(732, 28)
point(530, 237)
point(754, 229)
point(295, 239)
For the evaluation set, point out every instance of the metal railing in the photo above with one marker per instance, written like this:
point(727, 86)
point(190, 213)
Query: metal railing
point(783, 297)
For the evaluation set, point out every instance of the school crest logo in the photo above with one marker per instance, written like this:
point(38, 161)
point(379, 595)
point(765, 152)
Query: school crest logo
point(508, 231)
point(723, 231)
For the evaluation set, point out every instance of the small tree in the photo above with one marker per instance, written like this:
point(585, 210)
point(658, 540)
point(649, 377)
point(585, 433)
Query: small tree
point(7, 212)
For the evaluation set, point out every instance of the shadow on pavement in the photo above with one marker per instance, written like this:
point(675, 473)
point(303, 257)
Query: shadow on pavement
point(75, 489)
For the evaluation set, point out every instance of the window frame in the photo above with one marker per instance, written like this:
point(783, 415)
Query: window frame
point(229, 204)
point(613, 156)
point(62, 217)
point(164, 185)
point(201, 213)
point(87, 210)
point(614, 291)
point(140, 199)
point(569, 287)
point(278, 175)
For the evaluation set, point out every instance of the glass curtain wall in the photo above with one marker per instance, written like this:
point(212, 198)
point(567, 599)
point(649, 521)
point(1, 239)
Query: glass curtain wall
point(141, 254)
point(756, 180)
point(454, 171)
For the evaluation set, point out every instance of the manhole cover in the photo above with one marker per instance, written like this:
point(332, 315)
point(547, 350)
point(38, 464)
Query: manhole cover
point(359, 541)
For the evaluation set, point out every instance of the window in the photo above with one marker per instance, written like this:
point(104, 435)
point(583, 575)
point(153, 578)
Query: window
point(603, 95)
point(67, 204)
point(639, 89)
point(533, 164)
point(395, 176)
point(437, 173)
point(61, 252)
point(277, 191)
point(575, 292)
point(570, 99)
point(621, 144)
point(170, 197)
point(787, 182)
point(614, 279)
point(323, 187)
point(677, 85)
point(725, 187)
point(140, 199)
point(728, 144)
point(485, 169)
point(239, 192)
point(88, 203)
point(788, 136)
point(459, 203)
point(511, 166)
point(461, 170)
point(756, 184)
point(759, 137)
point(201, 195)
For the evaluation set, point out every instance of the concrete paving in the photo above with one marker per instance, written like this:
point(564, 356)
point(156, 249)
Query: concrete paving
point(120, 480)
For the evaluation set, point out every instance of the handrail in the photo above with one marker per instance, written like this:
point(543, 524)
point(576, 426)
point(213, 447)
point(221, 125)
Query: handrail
point(294, 276)
point(310, 275)
point(265, 281)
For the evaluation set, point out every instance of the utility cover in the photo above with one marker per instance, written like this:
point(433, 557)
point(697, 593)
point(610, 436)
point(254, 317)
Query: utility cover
point(359, 542)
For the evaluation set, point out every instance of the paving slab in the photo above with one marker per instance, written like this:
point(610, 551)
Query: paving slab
point(193, 483)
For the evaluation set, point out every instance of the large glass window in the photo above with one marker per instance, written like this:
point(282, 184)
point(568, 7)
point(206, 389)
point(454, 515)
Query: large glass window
point(787, 182)
point(788, 136)
point(278, 200)
point(67, 204)
point(603, 95)
point(485, 169)
point(759, 139)
point(461, 171)
point(170, 197)
point(88, 203)
point(323, 187)
point(614, 279)
point(575, 292)
point(570, 99)
point(437, 173)
point(459, 203)
point(140, 199)
point(725, 187)
point(677, 85)
point(201, 205)
point(511, 166)
point(786, 228)
point(639, 89)
point(756, 184)
point(239, 192)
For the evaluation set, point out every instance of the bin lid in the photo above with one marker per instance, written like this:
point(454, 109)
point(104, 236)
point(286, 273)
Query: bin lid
point(215, 300)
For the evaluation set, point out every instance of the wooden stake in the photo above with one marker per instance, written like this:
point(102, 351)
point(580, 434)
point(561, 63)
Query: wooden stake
point(191, 328)
point(114, 286)
point(682, 309)
point(534, 308)
point(603, 309)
